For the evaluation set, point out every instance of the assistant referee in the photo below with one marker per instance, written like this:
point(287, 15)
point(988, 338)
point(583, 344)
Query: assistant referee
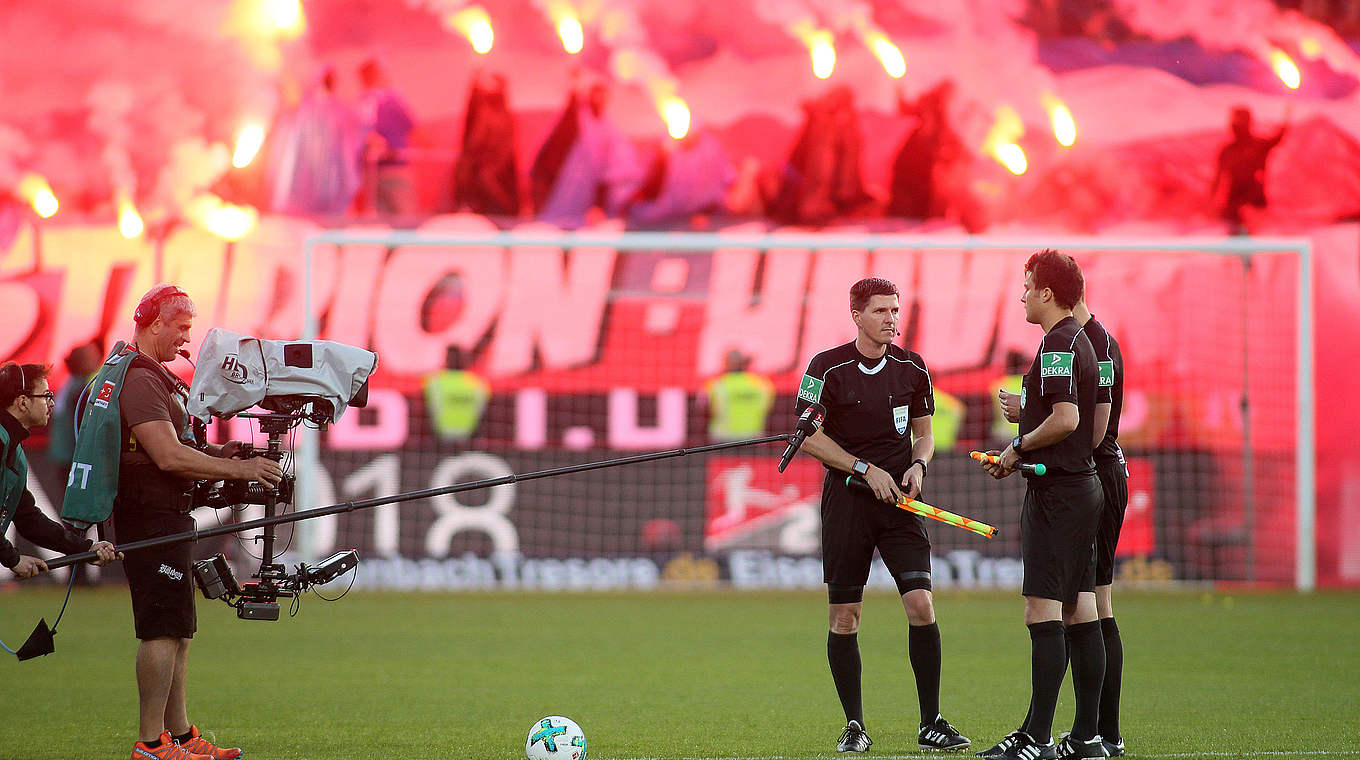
point(879, 402)
point(1060, 516)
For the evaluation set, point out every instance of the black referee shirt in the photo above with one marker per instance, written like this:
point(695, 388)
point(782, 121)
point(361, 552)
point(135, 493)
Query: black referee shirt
point(1064, 369)
point(870, 403)
point(1111, 362)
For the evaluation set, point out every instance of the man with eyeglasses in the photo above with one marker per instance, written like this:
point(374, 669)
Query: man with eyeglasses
point(26, 403)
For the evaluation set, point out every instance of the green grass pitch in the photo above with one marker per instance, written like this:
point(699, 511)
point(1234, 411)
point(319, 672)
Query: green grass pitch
point(673, 675)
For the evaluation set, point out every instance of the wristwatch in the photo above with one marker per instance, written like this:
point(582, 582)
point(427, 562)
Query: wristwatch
point(860, 467)
point(1015, 444)
point(921, 462)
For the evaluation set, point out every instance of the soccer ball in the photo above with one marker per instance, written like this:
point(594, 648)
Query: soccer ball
point(555, 738)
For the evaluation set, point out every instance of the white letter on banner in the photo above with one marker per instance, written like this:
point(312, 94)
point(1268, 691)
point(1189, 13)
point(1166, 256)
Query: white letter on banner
point(624, 431)
point(455, 517)
point(739, 316)
point(543, 284)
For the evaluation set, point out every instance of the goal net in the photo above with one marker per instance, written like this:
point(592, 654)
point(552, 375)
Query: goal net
point(514, 352)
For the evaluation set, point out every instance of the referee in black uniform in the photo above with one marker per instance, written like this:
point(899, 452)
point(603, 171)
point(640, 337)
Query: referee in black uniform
point(1061, 515)
point(879, 402)
point(1112, 471)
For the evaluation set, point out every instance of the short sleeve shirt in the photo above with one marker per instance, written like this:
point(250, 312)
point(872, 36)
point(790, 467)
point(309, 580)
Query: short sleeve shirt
point(1111, 391)
point(870, 403)
point(1063, 370)
point(146, 397)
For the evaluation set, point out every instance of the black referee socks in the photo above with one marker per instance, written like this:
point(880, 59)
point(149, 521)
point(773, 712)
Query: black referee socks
point(1114, 671)
point(1088, 670)
point(1047, 664)
point(842, 651)
point(923, 649)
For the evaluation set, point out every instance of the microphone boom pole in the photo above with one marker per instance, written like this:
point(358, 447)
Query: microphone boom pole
point(350, 506)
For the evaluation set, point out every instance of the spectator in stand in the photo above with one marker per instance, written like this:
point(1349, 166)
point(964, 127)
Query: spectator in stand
point(1242, 169)
point(486, 177)
point(387, 124)
point(926, 156)
point(313, 167)
point(687, 177)
point(585, 163)
point(822, 178)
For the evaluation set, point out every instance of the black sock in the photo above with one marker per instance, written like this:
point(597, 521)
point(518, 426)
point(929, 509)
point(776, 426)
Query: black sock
point(1088, 670)
point(842, 651)
point(1046, 675)
point(184, 737)
point(1114, 673)
point(923, 649)
point(154, 743)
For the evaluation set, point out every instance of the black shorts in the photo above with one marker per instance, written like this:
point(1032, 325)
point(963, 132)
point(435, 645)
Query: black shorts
point(1057, 537)
point(854, 523)
point(1115, 485)
point(160, 580)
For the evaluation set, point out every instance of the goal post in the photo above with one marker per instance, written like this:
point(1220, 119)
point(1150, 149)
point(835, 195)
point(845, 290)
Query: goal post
point(1218, 488)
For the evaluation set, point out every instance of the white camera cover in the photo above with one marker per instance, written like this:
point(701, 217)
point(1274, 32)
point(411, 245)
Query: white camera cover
point(236, 372)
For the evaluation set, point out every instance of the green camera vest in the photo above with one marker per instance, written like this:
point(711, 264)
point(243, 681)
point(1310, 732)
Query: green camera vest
point(12, 482)
point(93, 481)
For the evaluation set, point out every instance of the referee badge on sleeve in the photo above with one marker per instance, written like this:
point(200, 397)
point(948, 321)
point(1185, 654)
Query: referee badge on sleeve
point(810, 389)
point(900, 416)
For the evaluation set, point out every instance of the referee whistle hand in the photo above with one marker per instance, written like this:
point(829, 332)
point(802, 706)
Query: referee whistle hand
point(1010, 405)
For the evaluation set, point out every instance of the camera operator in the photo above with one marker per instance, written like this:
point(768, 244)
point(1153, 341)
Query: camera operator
point(156, 468)
point(26, 403)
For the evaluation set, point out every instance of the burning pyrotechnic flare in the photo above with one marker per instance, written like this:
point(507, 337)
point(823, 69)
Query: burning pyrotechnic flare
point(820, 46)
point(223, 219)
point(286, 16)
point(248, 142)
point(1001, 141)
point(676, 114)
point(888, 54)
point(1012, 157)
point(573, 36)
point(1285, 69)
point(129, 221)
point(474, 23)
point(34, 189)
point(1064, 126)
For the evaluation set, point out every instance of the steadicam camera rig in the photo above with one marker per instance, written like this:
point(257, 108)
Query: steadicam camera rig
point(294, 382)
point(304, 387)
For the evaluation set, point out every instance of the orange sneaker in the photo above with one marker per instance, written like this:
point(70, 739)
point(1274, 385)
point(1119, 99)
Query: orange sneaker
point(168, 750)
point(200, 746)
